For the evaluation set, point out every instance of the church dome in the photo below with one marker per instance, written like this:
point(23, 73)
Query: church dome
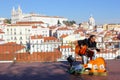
point(91, 21)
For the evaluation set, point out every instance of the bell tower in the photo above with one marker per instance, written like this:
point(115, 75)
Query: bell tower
point(19, 13)
point(16, 15)
point(13, 14)
point(91, 22)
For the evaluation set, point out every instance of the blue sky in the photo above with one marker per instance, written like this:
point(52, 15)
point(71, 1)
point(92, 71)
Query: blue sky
point(104, 11)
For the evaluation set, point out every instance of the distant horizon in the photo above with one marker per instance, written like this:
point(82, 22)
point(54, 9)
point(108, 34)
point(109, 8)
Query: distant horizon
point(103, 11)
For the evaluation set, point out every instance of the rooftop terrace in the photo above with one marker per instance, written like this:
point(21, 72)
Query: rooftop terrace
point(52, 71)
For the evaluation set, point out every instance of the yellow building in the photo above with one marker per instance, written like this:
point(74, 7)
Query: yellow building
point(111, 27)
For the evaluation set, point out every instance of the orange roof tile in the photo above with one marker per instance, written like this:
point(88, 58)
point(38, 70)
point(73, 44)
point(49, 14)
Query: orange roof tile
point(30, 22)
point(19, 25)
point(1, 31)
point(50, 39)
point(64, 28)
point(10, 48)
point(63, 36)
point(78, 31)
point(65, 46)
point(52, 27)
point(37, 37)
point(34, 26)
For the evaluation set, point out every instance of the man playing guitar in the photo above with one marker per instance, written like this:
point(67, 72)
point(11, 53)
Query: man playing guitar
point(87, 49)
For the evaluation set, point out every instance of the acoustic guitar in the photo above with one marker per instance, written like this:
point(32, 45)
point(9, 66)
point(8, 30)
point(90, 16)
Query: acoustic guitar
point(83, 50)
point(80, 50)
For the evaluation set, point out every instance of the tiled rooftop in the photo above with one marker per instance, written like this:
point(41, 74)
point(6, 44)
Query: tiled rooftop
point(52, 71)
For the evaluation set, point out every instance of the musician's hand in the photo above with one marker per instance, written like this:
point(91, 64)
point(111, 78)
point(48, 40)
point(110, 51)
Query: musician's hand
point(98, 50)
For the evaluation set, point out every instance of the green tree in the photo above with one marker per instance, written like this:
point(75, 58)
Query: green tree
point(69, 23)
point(58, 23)
point(8, 21)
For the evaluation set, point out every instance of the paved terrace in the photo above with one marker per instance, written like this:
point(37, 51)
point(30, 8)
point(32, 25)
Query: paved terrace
point(52, 71)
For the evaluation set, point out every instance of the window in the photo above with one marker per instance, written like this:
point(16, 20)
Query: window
point(37, 43)
point(33, 46)
point(26, 37)
point(25, 29)
point(20, 42)
point(2, 36)
point(11, 38)
point(52, 41)
point(14, 29)
point(29, 30)
point(15, 38)
point(20, 38)
point(20, 32)
point(14, 33)
point(7, 29)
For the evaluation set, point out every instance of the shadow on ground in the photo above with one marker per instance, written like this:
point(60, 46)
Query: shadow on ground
point(51, 71)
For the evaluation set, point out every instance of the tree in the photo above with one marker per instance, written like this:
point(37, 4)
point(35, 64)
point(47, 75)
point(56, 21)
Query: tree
point(8, 21)
point(69, 23)
point(72, 22)
point(58, 23)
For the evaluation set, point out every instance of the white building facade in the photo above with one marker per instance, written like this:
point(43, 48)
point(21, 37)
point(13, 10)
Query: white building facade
point(2, 34)
point(17, 15)
point(66, 51)
point(2, 20)
point(39, 43)
point(37, 30)
point(18, 33)
point(64, 31)
point(71, 38)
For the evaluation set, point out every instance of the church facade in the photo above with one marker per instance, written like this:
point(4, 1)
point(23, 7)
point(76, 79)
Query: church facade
point(18, 16)
point(90, 24)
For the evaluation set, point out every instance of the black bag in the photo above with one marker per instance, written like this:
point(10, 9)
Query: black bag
point(70, 59)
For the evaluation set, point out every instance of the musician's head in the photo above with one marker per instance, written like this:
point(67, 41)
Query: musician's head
point(92, 38)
